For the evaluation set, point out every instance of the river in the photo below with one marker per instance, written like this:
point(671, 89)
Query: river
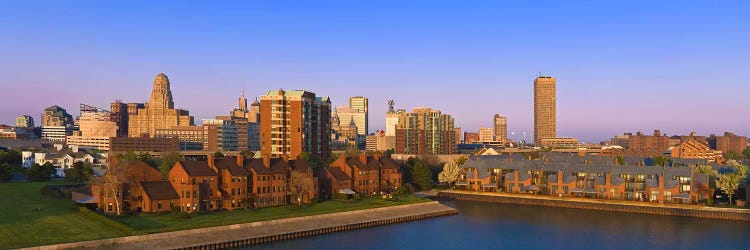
point(500, 226)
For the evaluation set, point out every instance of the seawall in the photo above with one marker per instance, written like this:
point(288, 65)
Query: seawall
point(603, 205)
point(249, 234)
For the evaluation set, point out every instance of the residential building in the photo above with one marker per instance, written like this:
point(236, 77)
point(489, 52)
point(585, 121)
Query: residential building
point(486, 135)
point(24, 121)
point(293, 122)
point(379, 141)
point(656, 141)
point(582, 176)
point(545, 111)
point(158, 113)
point(425, 131)
point(470, 137)
point(55, 116)
point(365, 175)
point(694, 149)
point(729, 142)
point(267, 184)
point(140, 189)
point(501, 128)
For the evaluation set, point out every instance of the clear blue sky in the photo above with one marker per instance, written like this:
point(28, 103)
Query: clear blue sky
point(621, 66)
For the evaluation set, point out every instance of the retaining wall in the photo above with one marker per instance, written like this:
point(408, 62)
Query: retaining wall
point(706, 213)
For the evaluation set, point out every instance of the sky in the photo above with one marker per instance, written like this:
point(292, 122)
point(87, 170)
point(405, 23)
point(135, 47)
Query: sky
point(621, 66)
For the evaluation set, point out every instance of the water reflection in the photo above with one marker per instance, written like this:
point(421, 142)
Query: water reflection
point(499, 226)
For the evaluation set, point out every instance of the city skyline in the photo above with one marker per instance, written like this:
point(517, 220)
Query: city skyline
point(683, 69)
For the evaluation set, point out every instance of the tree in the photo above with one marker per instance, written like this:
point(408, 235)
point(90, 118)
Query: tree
point(247, 153)
point(389, 152)
point(732, 179)
point(148, 159)
point(6, 172)
point(422, 175)
point(41, 172)
point(746, 153)
point(168, 160)
point(451, 171)
point(79, 172)
point(661, 161)
point(314, 161)
point(112, 180)
point(353, 151)
point(732, 155)
point(620, 160)
point(218, 155)
point(12, 157)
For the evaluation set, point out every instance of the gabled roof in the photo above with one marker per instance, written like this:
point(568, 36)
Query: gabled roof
point(388, 163)
point(354, 162)
point(300, 166)
point(197, 168)
point(159, 190)
point(230, 164)
point(257, 166)
point(279, 166)
point(337, 173)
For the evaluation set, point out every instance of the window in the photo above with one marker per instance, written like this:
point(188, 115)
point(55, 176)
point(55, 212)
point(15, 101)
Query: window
point(158, 205)
point(188, 194)
point(195, 194)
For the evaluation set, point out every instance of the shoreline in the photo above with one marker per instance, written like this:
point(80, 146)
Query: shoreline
point(248, 234)
point(601, 205)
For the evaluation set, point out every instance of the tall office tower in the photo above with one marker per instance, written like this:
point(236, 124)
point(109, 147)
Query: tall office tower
point(158, 113)
point(360, 105)
point(24, 121)
point(545, 114)
point(501, 128)
point(293, 122)
point(425, 131)
point(95, 129)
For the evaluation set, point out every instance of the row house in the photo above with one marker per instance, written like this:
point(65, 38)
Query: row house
point(210, 185)
point(582, 178)
point(139, 188)
point(366, 175)
point(274, 182)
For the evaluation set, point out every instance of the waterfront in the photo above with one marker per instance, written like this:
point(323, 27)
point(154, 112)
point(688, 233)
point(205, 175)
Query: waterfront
point(500, 226)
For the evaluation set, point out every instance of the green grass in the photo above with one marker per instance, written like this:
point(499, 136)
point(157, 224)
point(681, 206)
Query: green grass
point(56, 222)
point(152, 223)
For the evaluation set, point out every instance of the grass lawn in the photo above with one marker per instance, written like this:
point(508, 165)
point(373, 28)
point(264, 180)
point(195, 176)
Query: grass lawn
point(152, 223)
point(56, 222)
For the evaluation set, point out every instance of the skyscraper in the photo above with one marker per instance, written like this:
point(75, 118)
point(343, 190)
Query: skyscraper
point(360, 105)
point(158, 113)
point(501, 128)
point(425, 131)
point(293, 122)
point(545, 114)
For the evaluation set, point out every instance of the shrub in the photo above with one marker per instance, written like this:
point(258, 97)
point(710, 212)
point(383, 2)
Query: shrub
point(402, 190)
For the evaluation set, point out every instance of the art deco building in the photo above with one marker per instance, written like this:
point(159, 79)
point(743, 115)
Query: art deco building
point(158, 113)
point(293, 122)
point(247, 122)
point(545, 111)
point(501, 128)
point(425, 131)
point(24, 121)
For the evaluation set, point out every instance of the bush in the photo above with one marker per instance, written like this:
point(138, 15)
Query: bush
point(402, 190)
point(184, 215)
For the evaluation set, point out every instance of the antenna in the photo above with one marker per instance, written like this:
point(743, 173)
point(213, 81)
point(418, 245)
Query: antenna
point(243, 89)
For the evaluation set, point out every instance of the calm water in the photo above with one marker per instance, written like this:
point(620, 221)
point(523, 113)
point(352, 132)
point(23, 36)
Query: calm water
point(498, 226)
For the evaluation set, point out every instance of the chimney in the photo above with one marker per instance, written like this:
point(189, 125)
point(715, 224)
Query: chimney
point(267, 160)
point(285, 157)
point(240, 160)
point(211, 162)
point(363, 158)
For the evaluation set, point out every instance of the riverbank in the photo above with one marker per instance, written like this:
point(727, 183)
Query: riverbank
point(249, 234)
point(682, 210)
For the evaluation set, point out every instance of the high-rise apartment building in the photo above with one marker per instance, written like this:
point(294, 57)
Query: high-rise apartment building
point(55, 116)
point(657, 141)
point(159, 112)
point(501, 128)
point(425, 131)
point(24, 121)
point(458, 135)
point(545, 111)
point(729, 142)
point(293, 122)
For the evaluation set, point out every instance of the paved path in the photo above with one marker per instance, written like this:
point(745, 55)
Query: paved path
point(257, 229)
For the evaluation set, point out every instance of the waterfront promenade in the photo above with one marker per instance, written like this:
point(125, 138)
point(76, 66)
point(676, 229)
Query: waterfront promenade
point(684, 210)
point(266, 231)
